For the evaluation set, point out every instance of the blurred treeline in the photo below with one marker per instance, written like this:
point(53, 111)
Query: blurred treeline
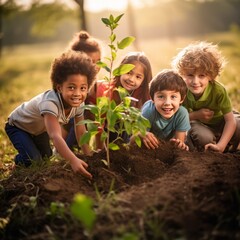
point(55, 21)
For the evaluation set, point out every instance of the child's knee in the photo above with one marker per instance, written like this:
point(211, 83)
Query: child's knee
point(201, 136)
point(26, 160)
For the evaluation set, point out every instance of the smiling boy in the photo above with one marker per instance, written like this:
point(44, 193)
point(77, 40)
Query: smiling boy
point(169, 120)
point(213, 124)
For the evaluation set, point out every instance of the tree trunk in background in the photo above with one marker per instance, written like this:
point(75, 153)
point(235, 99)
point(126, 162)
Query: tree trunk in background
point(83, 23)
point(132, 26)
point(1, 30)
point(1, 36)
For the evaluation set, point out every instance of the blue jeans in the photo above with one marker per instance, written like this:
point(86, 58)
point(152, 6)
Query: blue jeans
point(30, 148)
point(71, 137)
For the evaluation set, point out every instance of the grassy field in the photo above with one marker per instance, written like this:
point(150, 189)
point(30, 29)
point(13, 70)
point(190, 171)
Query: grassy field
point(25, 69)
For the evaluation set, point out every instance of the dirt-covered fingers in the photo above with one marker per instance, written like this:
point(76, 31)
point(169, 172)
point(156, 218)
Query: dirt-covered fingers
point(179, 144)
point(150, 141)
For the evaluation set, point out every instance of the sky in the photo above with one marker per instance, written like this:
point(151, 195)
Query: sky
point(99, 5)
point(96, 5)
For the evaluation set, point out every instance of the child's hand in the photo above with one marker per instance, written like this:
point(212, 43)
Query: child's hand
point(205, 114)
point(150, 141)
point(179, 144)
point(214, 147)
point(80, 166)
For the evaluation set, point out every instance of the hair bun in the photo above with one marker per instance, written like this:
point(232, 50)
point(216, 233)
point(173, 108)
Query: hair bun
point(83, 35)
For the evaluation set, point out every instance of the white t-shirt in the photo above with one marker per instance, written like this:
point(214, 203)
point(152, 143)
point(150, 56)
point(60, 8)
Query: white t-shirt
point(29, 115)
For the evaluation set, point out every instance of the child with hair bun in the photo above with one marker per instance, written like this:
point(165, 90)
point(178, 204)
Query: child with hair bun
point(82, 41)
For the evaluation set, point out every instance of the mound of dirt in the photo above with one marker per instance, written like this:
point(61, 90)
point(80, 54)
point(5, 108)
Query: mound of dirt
point(145, 194)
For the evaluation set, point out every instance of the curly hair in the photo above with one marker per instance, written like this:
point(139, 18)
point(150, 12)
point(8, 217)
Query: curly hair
point(201, 57)
point(72, 62)
point(82, 41)
point(170, 80)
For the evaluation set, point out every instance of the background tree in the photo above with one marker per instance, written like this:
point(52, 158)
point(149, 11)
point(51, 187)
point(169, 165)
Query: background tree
point(7, 9)
point(82, 17)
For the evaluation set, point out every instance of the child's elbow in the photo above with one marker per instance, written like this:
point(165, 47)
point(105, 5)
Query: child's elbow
point(55, 137)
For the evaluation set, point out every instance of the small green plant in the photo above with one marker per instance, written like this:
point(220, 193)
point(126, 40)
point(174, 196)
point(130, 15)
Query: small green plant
point(106, 111)
point(82, 209)
point(57, 209)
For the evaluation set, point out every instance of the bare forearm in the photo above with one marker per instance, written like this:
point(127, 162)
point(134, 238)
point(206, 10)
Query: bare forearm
point(227, 134)
point(63, 149)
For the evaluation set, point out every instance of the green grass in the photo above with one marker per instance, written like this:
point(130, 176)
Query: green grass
point(24, 72)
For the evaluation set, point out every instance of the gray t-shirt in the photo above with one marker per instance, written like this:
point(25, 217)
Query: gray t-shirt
point(165, 128)
point(29, 115)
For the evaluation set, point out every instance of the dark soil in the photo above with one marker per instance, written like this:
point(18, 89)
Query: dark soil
point(145, 194)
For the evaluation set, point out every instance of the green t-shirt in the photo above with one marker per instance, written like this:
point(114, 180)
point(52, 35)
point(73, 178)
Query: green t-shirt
point(215, 98)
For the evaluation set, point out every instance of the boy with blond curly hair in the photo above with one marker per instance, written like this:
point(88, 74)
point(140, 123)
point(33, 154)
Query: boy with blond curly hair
point(213, 124)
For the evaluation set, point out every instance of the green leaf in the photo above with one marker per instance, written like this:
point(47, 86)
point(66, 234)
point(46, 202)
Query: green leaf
point(138, 141)
point(108, 58)
point(82, 209)
point(103, 105)
point(127, 102)
point(92, 126)
point(112, 105)
point(87, 121)
point(145, 121)
point(106, 21)
point(112, 37)
point(118, 18)
point(111, 18)
point(142, 125)
point(85, 138)
point(101, 64)
point(103, 136)
point(111, 119)
point(113, 26)
point(107, 69)
point(122, 92)
point(125, 42)
point(112, 47)
point(113, 146)
point(114, 55)
point(128, 127)
point(123, 69)
point(92, 108)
